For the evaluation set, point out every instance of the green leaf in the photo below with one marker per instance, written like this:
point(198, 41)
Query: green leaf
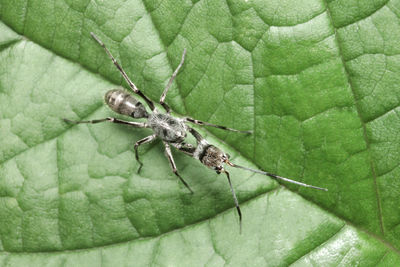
point(317, 82)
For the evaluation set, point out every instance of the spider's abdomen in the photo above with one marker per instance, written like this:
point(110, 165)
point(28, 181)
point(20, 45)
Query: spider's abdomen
point(123, 103)
point(168, 128)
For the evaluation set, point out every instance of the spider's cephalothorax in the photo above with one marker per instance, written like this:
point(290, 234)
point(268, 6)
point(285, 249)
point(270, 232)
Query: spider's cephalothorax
point(171, 130)
point(167, 127)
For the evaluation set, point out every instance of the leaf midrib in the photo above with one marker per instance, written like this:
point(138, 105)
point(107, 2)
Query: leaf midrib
point(358, 110)
point(202, 220)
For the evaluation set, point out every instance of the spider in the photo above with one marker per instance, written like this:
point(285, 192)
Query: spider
point(171, 130)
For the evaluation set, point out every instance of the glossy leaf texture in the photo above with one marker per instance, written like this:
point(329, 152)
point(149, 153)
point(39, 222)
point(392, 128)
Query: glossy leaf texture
point(316, 81)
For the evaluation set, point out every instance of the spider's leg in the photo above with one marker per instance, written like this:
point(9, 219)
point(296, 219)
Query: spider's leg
point(235, 199)
point(173, 166)
point(164, 94)
point(197, 135)
point(188, 149)
point(203, 123)
point(145, 140)
point(110, 119)
point(123, 73)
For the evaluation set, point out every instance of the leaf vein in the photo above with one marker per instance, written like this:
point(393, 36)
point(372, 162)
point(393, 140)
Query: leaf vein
point(358, 109)
point(366, 16)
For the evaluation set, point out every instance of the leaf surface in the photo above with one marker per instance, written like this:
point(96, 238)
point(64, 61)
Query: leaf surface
point(316, 81)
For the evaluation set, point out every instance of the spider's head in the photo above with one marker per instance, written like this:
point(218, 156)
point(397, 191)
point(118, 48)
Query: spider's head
point(214, 158)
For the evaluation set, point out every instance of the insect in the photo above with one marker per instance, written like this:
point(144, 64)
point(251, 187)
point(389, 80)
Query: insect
point(171, 130)
point(214, 158)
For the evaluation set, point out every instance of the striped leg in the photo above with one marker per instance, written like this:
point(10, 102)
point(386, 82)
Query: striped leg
point(203, 123)
point(173, 166)
point(145, 140)
point(235, 199)
point(164, 94)
point(123, 73)
point(114, 120)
